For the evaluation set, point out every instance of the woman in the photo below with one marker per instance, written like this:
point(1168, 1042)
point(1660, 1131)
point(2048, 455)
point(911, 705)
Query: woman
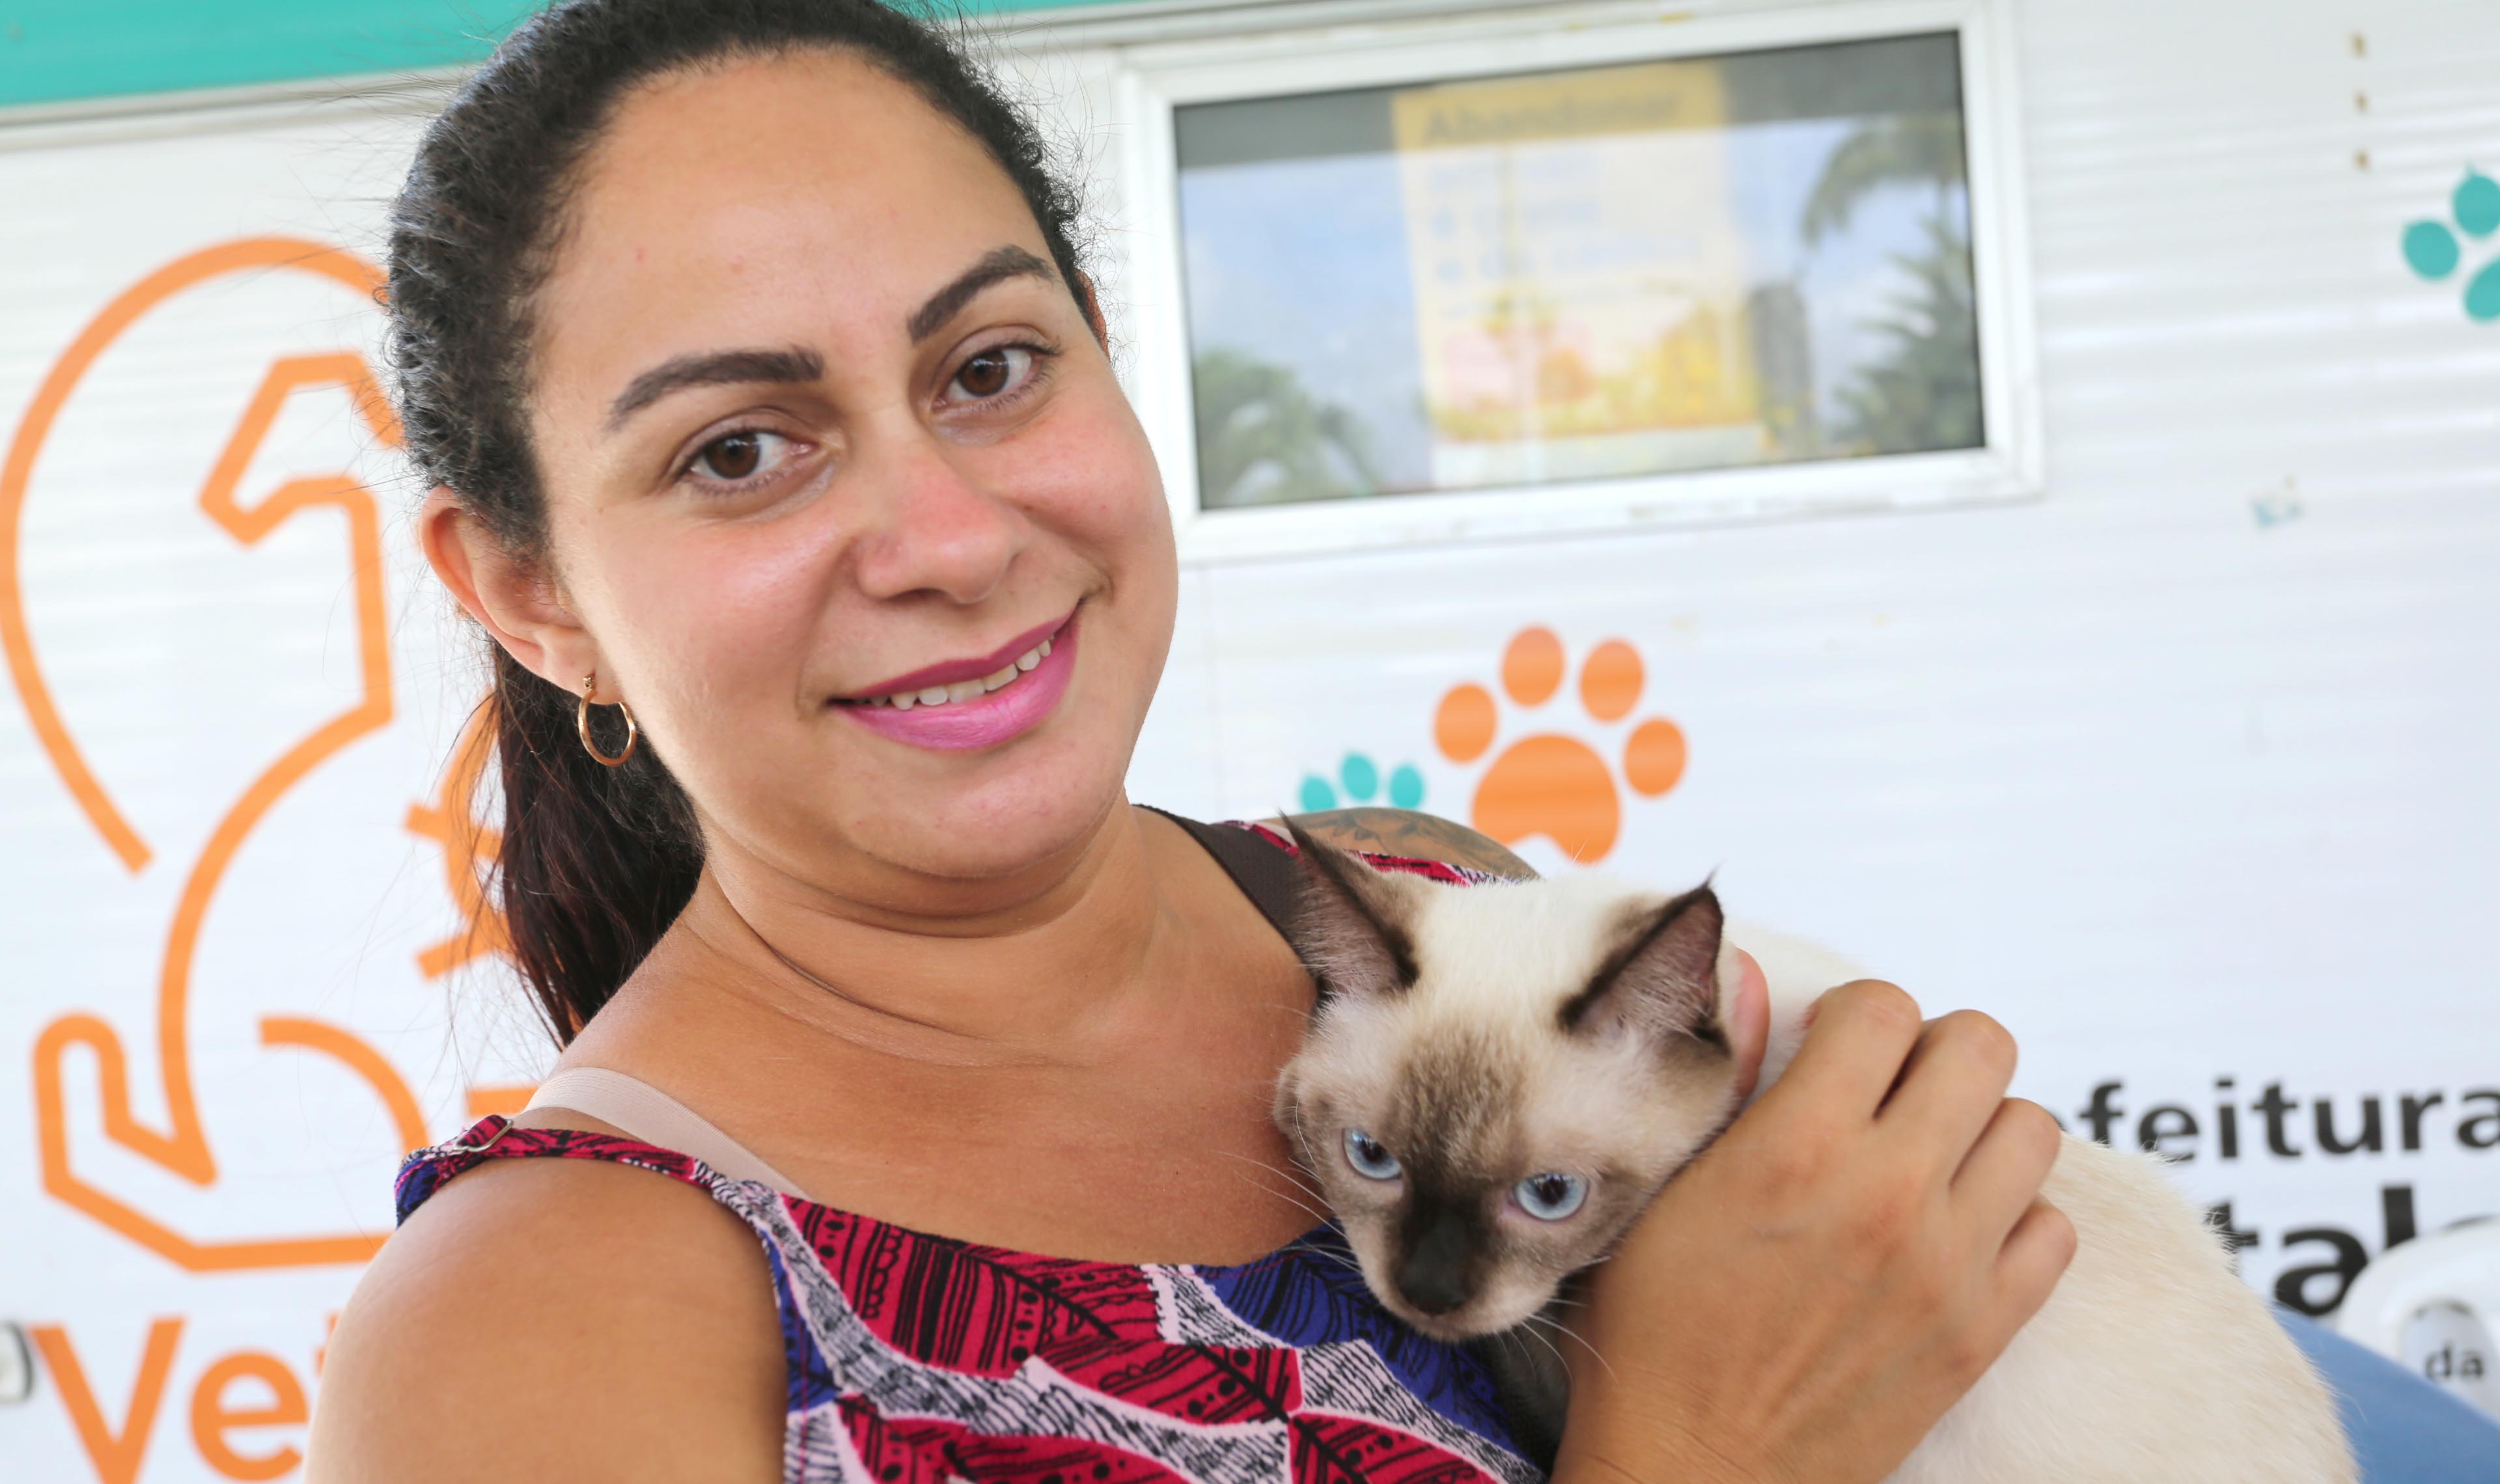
point(750, 352)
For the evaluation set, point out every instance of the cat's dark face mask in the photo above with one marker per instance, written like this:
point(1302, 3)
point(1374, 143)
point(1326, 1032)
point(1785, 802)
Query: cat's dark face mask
point(1443, 1248)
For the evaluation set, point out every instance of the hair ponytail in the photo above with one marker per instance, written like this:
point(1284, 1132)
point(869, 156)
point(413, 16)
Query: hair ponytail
point(596, 861)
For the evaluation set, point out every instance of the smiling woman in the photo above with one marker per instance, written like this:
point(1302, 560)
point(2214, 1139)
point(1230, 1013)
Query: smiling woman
point(762, 393)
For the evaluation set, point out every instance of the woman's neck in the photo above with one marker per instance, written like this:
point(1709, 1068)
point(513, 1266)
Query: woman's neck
point(1042, 966)
point(1083, 1067)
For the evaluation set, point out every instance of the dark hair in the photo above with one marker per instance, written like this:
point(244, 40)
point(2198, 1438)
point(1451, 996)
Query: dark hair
point(596, 862)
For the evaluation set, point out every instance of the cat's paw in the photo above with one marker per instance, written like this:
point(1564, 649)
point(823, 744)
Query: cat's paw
point(1552, 784)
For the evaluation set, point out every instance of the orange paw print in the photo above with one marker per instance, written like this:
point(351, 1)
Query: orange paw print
point(1547, 783)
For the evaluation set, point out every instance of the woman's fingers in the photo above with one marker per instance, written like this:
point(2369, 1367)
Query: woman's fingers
point(1952, 1086)
point(1749, 1023)
point(1841, 1265)
point(1851, 1053)
point(2033, 1259)
point(1999, 1181)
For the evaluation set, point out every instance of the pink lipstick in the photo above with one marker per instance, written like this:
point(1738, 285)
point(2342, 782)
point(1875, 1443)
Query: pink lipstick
point(962, 704)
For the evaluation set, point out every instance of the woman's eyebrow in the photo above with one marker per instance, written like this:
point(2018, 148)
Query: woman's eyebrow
point(716, 368)
point(713, 368)
point(998, 263)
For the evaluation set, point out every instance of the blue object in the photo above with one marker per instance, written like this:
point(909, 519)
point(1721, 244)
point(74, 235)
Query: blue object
point(1360, 776)
point(2483, 294)
point(2404, 1430)
point(2431, 249)
point(1357, 781)
point(2477, 203)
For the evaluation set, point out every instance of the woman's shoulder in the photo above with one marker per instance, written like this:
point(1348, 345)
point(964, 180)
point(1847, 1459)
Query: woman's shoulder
point(1413, 835)
point(633, 1307)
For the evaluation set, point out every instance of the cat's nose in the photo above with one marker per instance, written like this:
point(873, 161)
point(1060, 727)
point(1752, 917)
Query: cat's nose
point(1434, 1277)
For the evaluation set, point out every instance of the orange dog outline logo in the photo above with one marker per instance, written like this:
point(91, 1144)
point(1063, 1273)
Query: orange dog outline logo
point(183, 1147)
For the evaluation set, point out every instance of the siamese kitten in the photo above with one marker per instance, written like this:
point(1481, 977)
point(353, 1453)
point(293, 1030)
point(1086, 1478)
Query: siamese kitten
point(1502, 1077)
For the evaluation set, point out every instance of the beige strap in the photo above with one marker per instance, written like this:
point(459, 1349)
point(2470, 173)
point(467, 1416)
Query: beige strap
point(653, 1117)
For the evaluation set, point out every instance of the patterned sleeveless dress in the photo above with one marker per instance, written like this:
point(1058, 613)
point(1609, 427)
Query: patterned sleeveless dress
point(915, 1359)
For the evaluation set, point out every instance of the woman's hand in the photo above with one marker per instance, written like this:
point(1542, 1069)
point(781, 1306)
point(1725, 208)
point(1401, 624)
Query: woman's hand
point(1808, 1298)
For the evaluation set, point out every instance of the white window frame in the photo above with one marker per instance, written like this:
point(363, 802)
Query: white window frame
point(1148, 81)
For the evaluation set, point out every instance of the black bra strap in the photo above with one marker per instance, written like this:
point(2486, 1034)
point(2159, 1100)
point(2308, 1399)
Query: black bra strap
point(1265, 874)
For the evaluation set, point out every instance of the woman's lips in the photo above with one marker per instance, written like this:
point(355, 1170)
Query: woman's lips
point(985, 720)
point(953, 671)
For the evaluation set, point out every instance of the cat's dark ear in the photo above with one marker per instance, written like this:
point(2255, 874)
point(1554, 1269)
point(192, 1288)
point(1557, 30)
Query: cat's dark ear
point(1352, 926)
point(1660, 976)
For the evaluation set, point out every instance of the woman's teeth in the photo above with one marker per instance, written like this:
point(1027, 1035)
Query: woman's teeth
point(965, 690)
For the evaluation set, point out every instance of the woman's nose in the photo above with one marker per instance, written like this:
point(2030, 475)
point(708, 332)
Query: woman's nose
point(929, 526)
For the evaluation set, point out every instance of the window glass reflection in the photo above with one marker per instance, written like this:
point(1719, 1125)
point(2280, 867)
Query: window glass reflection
point(1693, 264)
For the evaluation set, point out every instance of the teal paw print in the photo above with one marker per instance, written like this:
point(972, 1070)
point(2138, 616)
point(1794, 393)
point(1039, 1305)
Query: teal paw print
point(1357, 781)
point(2433, 252)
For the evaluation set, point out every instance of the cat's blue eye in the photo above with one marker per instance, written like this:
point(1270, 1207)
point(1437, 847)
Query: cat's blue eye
point(1550, 1197)
point(1370, 1158)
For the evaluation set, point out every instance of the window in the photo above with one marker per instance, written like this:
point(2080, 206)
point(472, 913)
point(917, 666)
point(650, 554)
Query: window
point(1482, 293)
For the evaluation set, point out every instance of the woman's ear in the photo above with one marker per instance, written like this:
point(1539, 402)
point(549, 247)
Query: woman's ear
point(513, 599)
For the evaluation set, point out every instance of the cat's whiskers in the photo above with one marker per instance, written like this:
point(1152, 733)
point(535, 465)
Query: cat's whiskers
point(1565, 1331)
point(1528, 1330)
point(1292, 1177)
point(1325, 1255)
point(1315, 1212)
point(1318, 1217)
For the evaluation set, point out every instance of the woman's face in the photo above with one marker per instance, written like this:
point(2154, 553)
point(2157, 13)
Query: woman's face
point(829, 453)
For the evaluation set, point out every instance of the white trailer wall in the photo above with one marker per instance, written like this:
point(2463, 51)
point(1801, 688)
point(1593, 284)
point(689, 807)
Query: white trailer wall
point(2183, 766)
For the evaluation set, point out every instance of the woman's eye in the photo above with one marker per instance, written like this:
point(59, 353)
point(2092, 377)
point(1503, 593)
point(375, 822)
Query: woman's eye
point(992, 373)
point(735, 456)
point(1550, 1197)
point(1368, 1158)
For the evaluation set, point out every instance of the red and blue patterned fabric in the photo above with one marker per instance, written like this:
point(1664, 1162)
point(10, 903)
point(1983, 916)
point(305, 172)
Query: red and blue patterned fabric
point(915, 1359)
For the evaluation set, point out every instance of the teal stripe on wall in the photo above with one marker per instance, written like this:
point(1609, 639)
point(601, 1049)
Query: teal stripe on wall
point(59, 50)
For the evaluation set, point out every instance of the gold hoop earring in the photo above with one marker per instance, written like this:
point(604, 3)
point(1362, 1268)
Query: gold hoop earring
point(581, 723)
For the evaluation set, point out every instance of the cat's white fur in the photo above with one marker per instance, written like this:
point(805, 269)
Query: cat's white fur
point(2151, 1361)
